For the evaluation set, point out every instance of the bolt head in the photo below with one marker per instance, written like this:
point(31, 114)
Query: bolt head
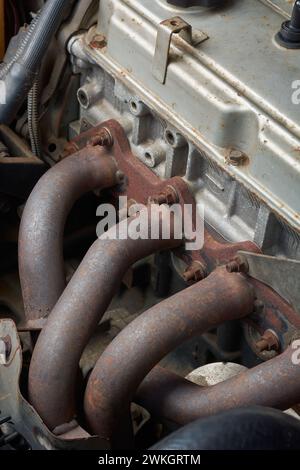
point(98, 42)
point(268, 342)
point(238, 265)
point(236, 157)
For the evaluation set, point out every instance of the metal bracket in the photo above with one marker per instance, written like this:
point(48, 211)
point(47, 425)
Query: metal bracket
point(165, 31)
point(281, 274)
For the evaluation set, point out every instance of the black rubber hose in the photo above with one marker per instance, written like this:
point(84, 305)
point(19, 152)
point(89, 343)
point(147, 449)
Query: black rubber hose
point(21, 75)
point(253, 428)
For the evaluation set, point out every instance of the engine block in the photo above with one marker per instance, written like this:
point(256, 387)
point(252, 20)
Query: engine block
point(223, 116)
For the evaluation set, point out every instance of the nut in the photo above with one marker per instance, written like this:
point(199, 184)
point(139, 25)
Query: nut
point(268, 342)
point(69, 149)
point(168, 196)
point(102, 138)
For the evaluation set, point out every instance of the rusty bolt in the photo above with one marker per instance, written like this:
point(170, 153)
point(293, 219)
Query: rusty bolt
point(238, 265)
point(268, 342)
point(98, 42)
point(195, 272)
point(103, 138)
point(69, 149)
point(237, 157)
point(168, 196)
point(128, 211)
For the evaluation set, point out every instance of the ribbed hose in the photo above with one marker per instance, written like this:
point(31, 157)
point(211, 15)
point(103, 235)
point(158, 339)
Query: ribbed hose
point(4, 68)
point(33, 119)
point(22, 73)
point(50, 19)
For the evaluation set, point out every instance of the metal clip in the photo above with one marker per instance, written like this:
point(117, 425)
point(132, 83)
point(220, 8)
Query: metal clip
point(165, 32)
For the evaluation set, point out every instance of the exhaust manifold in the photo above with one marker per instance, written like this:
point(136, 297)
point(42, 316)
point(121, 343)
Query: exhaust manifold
point(126, 371)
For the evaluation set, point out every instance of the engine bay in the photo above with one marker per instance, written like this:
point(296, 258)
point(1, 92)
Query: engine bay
point(149, 225)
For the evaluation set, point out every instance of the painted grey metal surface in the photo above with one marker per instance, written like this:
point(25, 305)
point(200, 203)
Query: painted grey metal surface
point(233, 91)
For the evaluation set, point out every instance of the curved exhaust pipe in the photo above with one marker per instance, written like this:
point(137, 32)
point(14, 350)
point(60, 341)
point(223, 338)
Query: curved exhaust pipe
point(275, 383)
point(41, 263)
point(55, 359)
point(150, 337)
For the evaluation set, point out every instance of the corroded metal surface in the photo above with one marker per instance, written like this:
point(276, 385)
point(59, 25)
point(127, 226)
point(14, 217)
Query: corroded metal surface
point(84, 301)
point(275, 383)
point(142, 183)
point(143, 343)
point(41, 263)
point(54, 364)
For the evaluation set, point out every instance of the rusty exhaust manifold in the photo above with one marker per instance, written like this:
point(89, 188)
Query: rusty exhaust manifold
point(54, 364)
point(145, 341)
point(118, 376)
point(275, 383)
point(41, 263)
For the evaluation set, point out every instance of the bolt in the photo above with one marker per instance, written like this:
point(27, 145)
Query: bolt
point(98, 42)
point(268, 342)
point(5, 350)
point(168, 196)
point(102, 138)
point(195, 272)
point(236, 158)
point(238, 265)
